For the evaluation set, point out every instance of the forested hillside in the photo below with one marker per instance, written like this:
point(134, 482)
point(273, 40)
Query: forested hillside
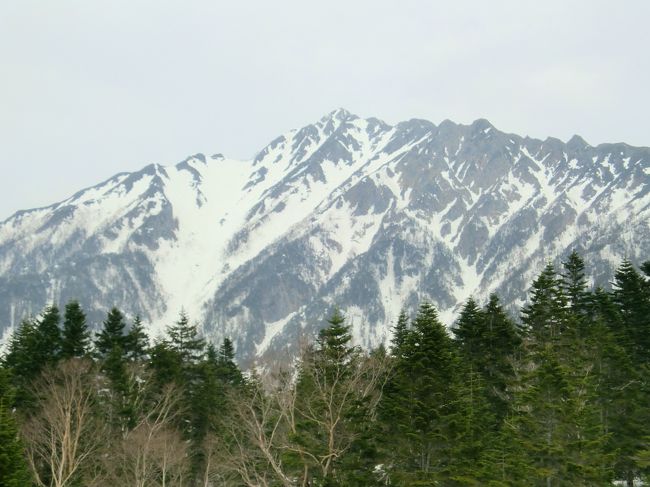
point(557, 396)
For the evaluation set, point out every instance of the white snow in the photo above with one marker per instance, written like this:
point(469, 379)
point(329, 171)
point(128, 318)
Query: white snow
point(215, 208)
point(272, 330)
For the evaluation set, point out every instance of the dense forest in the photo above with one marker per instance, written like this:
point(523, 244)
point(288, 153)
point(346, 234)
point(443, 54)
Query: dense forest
point(557, 397)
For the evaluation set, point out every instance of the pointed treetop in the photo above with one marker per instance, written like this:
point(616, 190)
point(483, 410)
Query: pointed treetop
point(400, 332)
point(227, 369)
point(574, 282)
point(544, 315)
point(468, 328)
point(112, 334)
point(75, 337)
point(137, 341)
point(185, 340)
point(49, 334)
point(333, 341)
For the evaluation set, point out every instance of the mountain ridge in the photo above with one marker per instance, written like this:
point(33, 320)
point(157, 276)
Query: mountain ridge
point(368, 215)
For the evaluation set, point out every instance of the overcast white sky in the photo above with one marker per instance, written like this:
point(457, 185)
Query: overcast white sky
point(89, 89)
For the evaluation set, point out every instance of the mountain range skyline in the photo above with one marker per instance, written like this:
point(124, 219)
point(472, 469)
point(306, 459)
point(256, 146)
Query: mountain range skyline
point(577, 136)
point(345, 211)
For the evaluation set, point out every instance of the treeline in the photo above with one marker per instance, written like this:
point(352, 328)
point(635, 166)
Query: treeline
point(558, 398)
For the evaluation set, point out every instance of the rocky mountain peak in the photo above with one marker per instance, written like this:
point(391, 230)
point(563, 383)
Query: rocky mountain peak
point(345, 211)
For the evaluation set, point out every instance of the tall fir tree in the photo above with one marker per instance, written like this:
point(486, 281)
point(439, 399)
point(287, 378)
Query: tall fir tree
point(574, 283)
point(110, 347)
point(400, 333)
point(553, 434)
point(631, 325)
point(185, 340)
point(49, 336)
point(544, 318)
point(554, 426)
point(488, 341)
point(227, 370)
point(632, 296)
point(421, 397)
point(136, 342)
point(13, 465)
point(22, 359)
point(469, 330)
point(75, 338)
point(111, 335)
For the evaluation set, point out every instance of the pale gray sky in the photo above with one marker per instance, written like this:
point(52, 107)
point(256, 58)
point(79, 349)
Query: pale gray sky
point(89, 89)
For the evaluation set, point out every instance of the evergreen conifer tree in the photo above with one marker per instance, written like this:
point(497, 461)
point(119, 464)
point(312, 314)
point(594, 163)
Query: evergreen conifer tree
point(554, 432)
point(574, 283)
point(625, 394)
point(49, 336)
point(110, 346)
point(400, 333)
point(544, 318)
point(75, 336)
point(333, 340)
point(632, 296)
point(470, 332)
point(184, 339)
point(226, 368)
point(136, 342)
point(488, 341)
point(112, 334)
point(165, 364)
point(554, 426)
point(22, 354)
point(13, 466)
point(420, 400)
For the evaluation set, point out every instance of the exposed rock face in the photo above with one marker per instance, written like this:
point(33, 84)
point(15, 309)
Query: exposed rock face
point(346, 211)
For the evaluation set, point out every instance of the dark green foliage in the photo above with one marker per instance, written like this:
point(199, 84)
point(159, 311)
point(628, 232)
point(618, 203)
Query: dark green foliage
point(563, 399)
point(112, 334)
point(35, 346)
point(469, 330)
point(496, 357)
point(544, 317)
point(225, 367)
point(632, 296)
point(556, 419)
point(75, 338)
point(136, 342)
point(22, 352)
point(625, 375)
point(400, 333)
point(488, 341)
point(554, 429)
point(13, 466)
point(420, 401)
point(333, 341)
point(165, 363)
point(184, 339)
point(574, 283)
point(49, 336)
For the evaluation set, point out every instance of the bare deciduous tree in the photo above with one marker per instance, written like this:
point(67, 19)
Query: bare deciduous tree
point(64, 435)
point(335, 392)
point(153, 451)
point(263, 444)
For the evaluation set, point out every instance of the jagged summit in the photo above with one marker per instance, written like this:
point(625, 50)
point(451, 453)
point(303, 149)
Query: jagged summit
point(577, 142)
point(340, 114)
point(346, 210)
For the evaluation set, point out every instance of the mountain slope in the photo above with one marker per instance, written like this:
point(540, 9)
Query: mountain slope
point(346, 211)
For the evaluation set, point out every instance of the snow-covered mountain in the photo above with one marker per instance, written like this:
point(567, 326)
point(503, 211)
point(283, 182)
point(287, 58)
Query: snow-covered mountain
point(347, 211)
